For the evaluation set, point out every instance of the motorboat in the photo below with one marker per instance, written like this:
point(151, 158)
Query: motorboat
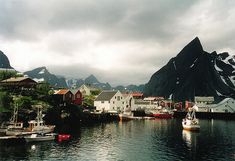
point(125, 116)
point(190, 122)
point(40, 137)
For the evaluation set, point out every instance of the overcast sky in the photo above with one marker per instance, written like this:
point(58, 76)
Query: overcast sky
point(119, 41)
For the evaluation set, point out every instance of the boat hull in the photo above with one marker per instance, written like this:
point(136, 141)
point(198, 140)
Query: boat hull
point(163, 115)
point(39, 138)
point(124, 117)
point(191, 127)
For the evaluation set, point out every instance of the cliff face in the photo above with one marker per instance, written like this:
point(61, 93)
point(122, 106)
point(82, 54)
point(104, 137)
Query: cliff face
point(4, 62)
point(194, 72)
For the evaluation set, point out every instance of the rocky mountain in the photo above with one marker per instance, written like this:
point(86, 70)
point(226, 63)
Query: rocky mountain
point(4, 61)
point(91, 80)
point(194, 72)
point(42, 74)
point(130, 88)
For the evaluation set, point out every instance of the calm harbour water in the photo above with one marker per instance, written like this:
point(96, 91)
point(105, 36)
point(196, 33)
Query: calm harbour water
point(135, 140)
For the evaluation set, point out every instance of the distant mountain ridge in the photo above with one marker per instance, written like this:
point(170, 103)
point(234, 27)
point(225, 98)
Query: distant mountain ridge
point(42, 74)
point(91, 80)
point(194, 72)
point(4, 61)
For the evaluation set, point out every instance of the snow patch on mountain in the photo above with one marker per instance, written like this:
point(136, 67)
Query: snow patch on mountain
point(42, 71)
point(194, 63)
point(39, 79)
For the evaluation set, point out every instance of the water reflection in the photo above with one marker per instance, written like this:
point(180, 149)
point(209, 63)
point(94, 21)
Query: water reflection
point(190, 138)
point(135, 140)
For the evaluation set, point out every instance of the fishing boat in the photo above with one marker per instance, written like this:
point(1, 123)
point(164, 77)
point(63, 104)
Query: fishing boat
point(190, 122)
point(38, 125)
point(40, 137)
point(13, 127)
point(35, 126)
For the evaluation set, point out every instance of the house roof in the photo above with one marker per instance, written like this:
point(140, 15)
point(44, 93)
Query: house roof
point(204, 99)
point(17, 79)
point(74, 91)
point(137, 94)
point(90, 87)
point(105, 95)
point(153, 98)
point(62, 91)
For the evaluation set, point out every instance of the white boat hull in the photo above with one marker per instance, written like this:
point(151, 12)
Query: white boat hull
point(37, 138)
point(191, 127)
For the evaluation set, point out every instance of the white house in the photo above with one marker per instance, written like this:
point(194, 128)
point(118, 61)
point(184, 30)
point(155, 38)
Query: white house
point(110, 101)
point(226, 105)
point(202, 103)
point(128, 102)
point(87, 90)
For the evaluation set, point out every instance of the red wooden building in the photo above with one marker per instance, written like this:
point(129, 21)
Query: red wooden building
point(77, 96)
point(63, 96)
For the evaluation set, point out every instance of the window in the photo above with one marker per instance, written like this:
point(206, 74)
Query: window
point(102, 101)
point(122, 102)
point(113, 102)
point(118, 98)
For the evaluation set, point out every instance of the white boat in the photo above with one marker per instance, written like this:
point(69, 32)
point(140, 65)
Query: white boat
point(39, 137)
point(14, 127)
point(39, 126)
point(190, 122)
point(35, 126)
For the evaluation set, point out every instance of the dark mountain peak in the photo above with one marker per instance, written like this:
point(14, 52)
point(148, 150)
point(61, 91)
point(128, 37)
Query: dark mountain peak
point(91, 79)
point(193, 48)
point(188, 55)
point(223, 55)
point(194, 72)
point(4, 61)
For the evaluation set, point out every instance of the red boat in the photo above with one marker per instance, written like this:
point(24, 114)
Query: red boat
point(63, 137)
point(162, 114)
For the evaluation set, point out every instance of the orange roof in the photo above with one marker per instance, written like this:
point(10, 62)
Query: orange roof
point(137, 94)
point(62, 91)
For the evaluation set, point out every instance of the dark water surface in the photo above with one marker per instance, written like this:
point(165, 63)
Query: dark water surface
point(143, 140)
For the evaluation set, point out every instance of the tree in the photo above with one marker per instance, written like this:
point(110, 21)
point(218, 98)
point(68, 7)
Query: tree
point(88, 100)
point(4, 74)
point(24, 102)
point(43, 89)
point(5, 101)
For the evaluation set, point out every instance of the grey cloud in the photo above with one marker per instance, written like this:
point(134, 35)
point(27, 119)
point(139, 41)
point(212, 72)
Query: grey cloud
point(113, 77)
point(114, 19)
point(163, 26)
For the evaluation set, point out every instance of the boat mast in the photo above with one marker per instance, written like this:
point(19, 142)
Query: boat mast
point(15, 114)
